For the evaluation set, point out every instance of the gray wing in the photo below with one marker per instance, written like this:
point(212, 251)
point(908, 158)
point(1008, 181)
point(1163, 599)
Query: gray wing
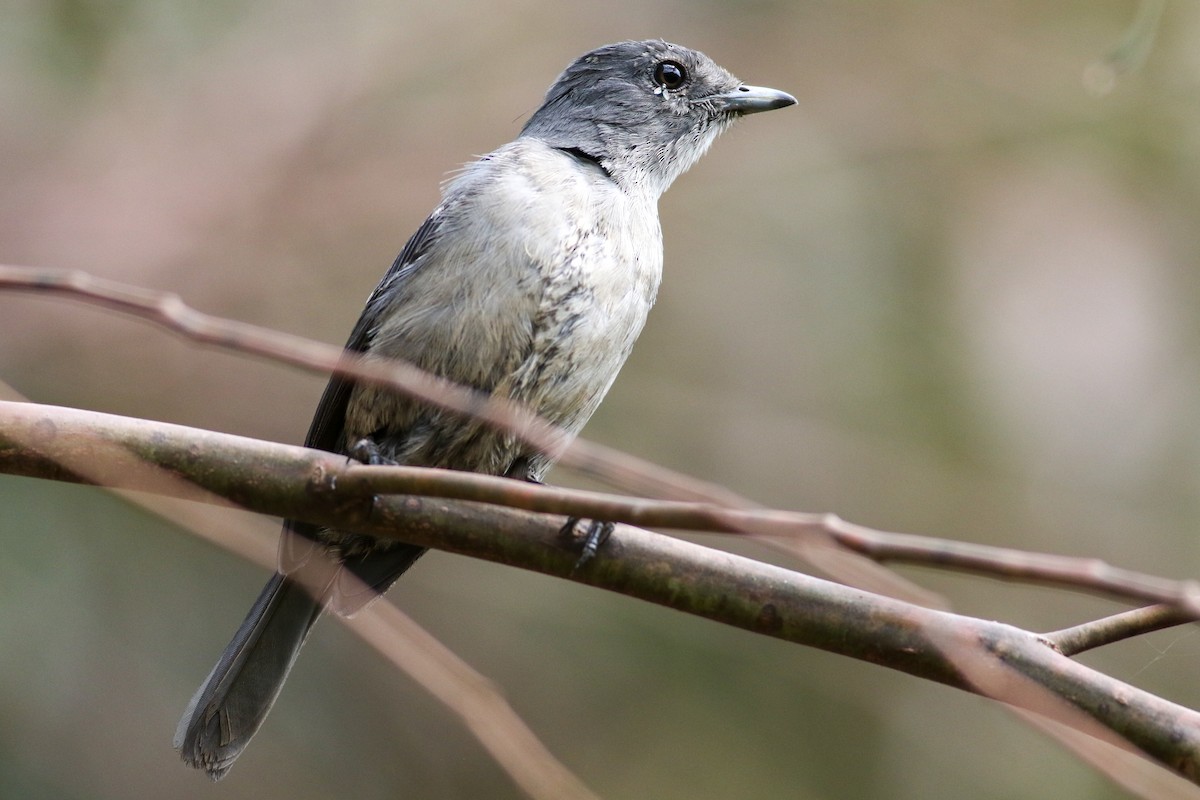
point(325, 432)
point(328, 423)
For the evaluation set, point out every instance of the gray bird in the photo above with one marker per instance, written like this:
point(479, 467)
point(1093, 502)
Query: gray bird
point(530, 281)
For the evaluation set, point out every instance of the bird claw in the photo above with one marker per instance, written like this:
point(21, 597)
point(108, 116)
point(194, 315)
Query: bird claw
point(594, 537)
point(366, 451)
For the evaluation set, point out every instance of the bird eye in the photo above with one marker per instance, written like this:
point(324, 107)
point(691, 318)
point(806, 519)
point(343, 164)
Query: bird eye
point(670, 74)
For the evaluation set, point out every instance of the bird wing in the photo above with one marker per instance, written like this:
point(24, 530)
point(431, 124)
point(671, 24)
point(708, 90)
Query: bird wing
point(326, 430)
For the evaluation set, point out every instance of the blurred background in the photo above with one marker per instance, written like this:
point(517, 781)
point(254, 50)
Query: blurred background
point(952, 292)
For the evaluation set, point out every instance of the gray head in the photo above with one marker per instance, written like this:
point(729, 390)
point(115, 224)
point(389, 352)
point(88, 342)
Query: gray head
point(645, 111)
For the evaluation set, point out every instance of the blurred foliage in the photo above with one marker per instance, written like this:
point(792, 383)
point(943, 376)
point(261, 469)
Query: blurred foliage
point(953, 292)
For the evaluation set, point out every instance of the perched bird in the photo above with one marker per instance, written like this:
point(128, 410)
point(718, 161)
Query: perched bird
point(530, 281)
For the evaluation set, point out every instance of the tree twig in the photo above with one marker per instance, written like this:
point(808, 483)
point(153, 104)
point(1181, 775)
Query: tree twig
point(1126, 625)
point(1088, 574)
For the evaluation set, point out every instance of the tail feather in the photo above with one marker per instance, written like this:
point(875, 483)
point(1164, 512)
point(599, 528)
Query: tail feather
point(234, 699)
point(231, 704)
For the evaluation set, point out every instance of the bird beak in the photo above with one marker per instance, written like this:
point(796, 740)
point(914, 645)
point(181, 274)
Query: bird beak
point(752, 99)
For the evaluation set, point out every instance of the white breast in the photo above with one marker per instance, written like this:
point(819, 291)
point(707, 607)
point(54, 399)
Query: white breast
point(535, 289)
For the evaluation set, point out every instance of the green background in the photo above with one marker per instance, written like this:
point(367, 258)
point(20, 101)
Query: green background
point(953, 292)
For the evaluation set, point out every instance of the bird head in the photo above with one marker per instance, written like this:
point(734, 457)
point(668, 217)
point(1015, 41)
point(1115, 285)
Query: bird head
point(645, 111)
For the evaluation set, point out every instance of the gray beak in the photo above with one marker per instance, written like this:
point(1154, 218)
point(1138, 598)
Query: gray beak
point(752, 99)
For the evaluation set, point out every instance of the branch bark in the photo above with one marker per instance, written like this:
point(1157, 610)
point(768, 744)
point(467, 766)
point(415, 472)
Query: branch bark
point(993, 659)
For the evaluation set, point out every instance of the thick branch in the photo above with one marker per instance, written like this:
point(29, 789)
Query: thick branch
point(788, 527)
point(291, 481)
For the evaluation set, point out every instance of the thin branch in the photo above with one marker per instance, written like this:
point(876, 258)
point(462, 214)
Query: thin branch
point(1076, 573)
point(1090, 574)
point(288, 481)
point(473, 697)
point(1126, 625)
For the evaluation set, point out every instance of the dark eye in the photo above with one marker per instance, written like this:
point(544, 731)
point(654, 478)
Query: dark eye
point(670, 74)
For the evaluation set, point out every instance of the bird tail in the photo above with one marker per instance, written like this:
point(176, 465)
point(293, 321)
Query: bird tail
point(234, 699)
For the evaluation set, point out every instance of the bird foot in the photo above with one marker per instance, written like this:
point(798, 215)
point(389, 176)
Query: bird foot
point(595, 535)
point(366, 451)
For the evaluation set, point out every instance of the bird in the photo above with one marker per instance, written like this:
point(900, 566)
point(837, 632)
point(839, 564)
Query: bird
point(530, 281)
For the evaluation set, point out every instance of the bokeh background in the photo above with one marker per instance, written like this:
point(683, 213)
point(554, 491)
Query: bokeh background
point(953, 292)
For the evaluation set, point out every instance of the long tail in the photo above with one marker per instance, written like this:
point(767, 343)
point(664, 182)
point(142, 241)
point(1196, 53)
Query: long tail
point(234, 699)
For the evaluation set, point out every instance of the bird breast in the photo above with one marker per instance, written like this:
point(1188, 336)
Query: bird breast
point(535, 289)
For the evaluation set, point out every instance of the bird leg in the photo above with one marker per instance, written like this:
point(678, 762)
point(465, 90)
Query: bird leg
point(594, 537)
point(597, 531)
